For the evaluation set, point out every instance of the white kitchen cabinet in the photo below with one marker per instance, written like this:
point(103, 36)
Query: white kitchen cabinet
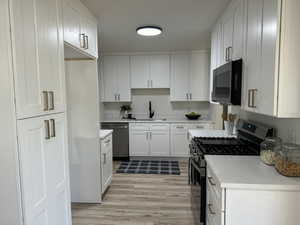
point(180, 140)
point(106, 162)
point(150, 71)
point(116, 79)
point(38, 57)
point(180, 83)
point(44, 169)
point(80, 28)
point(235, 197)
point(190, 76)
point(140, 71)
point(149, 139)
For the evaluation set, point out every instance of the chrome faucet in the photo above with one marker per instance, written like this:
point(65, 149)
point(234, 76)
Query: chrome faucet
point(151, 113)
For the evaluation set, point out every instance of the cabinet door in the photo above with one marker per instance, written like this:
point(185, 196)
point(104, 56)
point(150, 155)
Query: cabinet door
point(58, 170)
point(140, 71)
point(38, 56)
point(106, 162)
point(179, 140)
point(160, 143)
point(71, 20)
point(90, 30)
point(160, 71)
point(44, 170)
point(180, 79)
point(109, 79)
point(139, 143)
point(266, 94)
point(238, 30)
point(123, 78)
point(227, 29)
point(253, 53)
point(199, 76)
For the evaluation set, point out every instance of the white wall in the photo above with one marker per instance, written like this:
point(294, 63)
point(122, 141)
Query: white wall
point(161, 104)
point(10, 211)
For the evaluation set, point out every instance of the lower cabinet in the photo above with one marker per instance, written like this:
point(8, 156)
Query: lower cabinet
point(106, 162)
point(161, 139)
point(44, 170)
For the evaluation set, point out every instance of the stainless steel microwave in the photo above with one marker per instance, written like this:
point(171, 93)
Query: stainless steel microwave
point(227, 83)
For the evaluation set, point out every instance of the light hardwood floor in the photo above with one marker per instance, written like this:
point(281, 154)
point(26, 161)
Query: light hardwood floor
point(139, 199)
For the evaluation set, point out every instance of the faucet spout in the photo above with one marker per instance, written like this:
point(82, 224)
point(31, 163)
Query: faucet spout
point(151, 113)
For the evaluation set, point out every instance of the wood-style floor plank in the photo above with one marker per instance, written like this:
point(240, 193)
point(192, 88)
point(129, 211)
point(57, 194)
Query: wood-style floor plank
point(140, 199)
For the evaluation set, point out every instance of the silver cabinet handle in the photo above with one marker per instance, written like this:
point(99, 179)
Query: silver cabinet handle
point(229, 53)
point(86, 41)
point(82, 40)
point(51, 100)
point(53, 129)
point(249, 98)
point(226, 55)
point(108, 141)
point(211, 211)
point(47, 129)
point(191, 96)
point(187, 96)
point(104, 158)
point(152, 83)
point(119, 97)
point(211, 181)
point(253, 98)
point(45, 101)
point(200, 127)
point(150, 135)
point(179, 127)
point(147, 133)
point(115, 97)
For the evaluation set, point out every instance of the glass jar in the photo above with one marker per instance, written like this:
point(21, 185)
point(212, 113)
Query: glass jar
point(269, 148)
point(287, 161)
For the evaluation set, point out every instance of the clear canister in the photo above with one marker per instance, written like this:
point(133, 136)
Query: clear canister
point(269, 148)
point(287, 161)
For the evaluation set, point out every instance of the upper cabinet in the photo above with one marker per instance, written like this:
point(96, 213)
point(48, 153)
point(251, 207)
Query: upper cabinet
point(38, 57)
point(150, 71)
point(80, 27)
point(266, 36)
point(115, 79)
point(190, 76)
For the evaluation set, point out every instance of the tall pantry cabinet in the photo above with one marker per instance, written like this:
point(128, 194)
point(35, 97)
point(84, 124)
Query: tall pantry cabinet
point(39, 84)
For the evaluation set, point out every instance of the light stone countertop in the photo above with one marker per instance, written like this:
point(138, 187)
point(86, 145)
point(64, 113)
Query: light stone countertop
point(158, 121)
point(248, 172)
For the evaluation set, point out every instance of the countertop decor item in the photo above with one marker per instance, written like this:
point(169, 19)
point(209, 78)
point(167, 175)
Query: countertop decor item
point(269, 148)
point(287, 161)
point(124, 110)
point(193, 116)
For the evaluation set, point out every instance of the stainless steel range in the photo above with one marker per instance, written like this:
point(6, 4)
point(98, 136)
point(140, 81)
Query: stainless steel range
point(247, 142)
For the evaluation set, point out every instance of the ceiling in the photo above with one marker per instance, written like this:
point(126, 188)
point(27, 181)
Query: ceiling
point(186, 23)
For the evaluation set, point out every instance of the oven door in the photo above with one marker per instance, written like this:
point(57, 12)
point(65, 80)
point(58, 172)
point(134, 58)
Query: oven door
point(198, 192)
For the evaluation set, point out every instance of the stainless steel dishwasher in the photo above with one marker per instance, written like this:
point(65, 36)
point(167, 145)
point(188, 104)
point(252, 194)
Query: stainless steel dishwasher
point(120, 139)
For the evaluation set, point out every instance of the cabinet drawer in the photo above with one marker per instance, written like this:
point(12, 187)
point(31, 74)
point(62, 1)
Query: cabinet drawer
point(201, 126)
point(140, 126)
point(179, 127)
point(213, 184)
point(159, 127)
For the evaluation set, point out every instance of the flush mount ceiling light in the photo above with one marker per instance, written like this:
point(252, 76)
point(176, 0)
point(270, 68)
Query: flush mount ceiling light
point(149, 30)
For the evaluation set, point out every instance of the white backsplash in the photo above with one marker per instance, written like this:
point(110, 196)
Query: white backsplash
point(161, 105)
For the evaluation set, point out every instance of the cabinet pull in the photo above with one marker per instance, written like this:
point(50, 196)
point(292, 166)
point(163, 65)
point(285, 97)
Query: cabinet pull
point(226, 55)
point(53, 129)
point(229, 53)
point(115, 97)
point(147, 135)
point(211, 211)
point(104, 158)
point(152, 83)
point(179, 127)
point(249, 98)
point(150, 135)
point(191, 96)
point(108, 141)
point(47, 129)
point(253, 97)
point(51, 101)
point(86, 42)
point(211, 181)
point(45, 101)
point(82, 40)
point(187, 96)
point(200, 127)
point(119, 97)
